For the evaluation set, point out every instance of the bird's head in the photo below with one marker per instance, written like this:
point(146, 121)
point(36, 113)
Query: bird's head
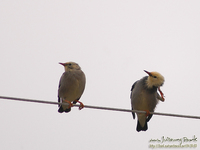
point(69, 66)
point(154, 79)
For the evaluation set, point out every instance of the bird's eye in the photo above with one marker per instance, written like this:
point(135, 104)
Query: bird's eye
point(154, 76)
point(69, 64)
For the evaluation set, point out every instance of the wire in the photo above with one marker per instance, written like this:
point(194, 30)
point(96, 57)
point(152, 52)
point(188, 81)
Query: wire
point(98, 107)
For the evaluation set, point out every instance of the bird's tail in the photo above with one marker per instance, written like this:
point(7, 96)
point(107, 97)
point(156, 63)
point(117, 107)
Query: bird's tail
point(140, 128)
point(61, 110)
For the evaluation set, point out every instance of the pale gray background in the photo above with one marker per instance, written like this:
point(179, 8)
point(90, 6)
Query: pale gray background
point(113, 41)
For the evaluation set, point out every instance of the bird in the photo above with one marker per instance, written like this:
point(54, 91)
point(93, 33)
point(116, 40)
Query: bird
point(144, 97)
point(71, 86)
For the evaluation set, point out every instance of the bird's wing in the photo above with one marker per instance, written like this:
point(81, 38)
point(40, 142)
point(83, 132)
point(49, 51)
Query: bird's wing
point(59, 100)
point(61, 80)
point(130, 97)
point(133, 86)
point(133, 114)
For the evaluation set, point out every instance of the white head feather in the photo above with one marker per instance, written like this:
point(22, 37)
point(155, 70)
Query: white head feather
point(154, 79)
point(70, 66)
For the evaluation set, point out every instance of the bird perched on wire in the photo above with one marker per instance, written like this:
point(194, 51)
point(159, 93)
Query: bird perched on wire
point(144, 97)
point(71, 86)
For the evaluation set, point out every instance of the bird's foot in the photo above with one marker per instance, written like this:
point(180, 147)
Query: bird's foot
point(70, 104)
point(81, 105)
point(161, 93)
point(147, 112)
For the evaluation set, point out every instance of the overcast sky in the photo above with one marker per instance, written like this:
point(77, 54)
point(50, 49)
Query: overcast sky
point(113, 41)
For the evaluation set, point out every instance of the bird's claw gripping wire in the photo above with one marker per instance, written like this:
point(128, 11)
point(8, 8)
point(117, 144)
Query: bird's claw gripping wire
point(147, 113)
point(70, 104)
point(81, 104)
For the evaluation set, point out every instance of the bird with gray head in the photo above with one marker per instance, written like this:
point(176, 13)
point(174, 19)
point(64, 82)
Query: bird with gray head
point(71, 86)
point(144, 97)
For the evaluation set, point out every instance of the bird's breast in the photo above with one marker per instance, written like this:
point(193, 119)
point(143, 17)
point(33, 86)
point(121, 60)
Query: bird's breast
point(144, 100)
point(71, 86)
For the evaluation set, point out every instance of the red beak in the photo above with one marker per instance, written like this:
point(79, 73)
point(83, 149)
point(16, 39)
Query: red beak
point(62, 64)
point(149, 73)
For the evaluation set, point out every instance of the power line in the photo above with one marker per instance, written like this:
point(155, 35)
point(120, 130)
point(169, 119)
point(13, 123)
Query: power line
point(99, 107)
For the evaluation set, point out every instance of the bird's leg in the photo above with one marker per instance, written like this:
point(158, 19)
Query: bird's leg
point(70, 104)
point(161, 93)
point(81, 104)
point(147, 112)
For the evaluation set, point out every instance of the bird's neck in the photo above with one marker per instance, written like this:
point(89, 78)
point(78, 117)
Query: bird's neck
point(68, 69)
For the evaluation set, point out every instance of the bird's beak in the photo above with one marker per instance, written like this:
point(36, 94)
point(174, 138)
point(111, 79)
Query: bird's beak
point(62, 64)
point(149, 73)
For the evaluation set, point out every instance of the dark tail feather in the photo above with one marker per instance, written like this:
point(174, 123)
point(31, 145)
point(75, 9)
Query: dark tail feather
point(140, 128)
point(149, 117)
point(61, 110)
point(68, 110)
point(133, 115)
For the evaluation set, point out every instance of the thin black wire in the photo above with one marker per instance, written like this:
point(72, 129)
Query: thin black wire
point(98, 107)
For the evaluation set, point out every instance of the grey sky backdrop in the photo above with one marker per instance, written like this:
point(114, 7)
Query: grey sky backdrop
point(113, 41)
